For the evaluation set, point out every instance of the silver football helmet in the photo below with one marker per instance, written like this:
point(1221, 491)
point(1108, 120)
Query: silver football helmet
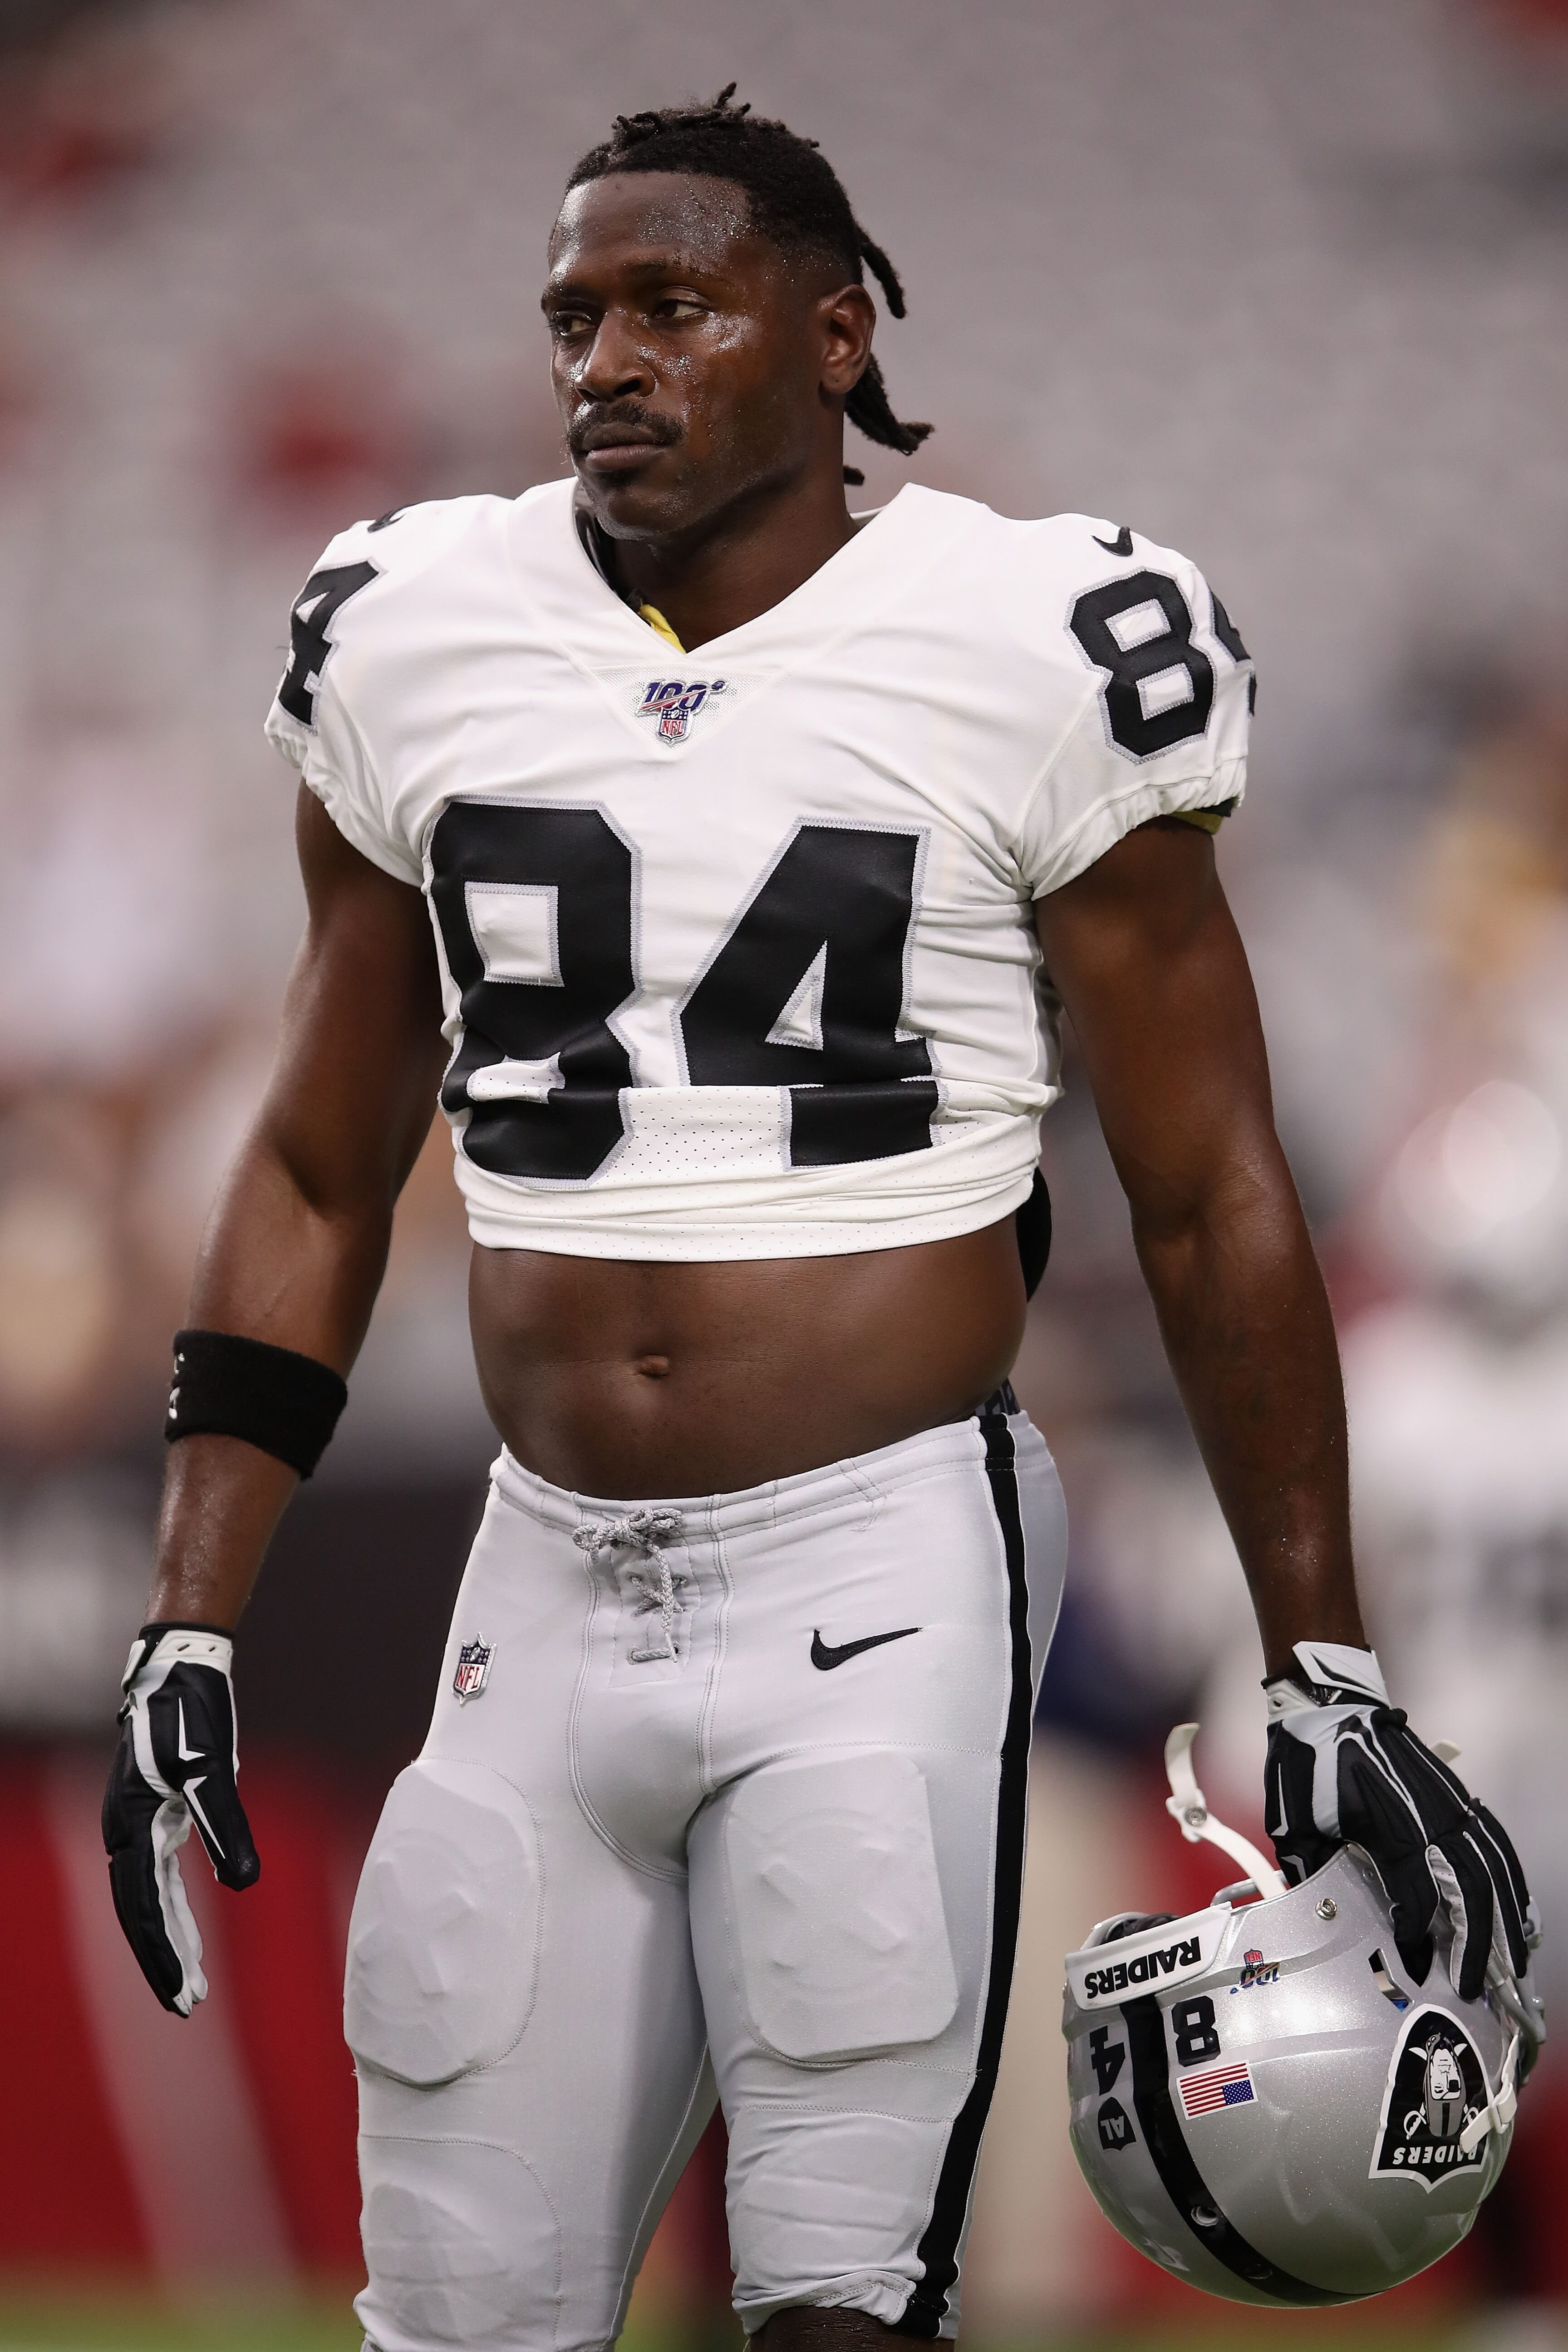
point(1262, 2101)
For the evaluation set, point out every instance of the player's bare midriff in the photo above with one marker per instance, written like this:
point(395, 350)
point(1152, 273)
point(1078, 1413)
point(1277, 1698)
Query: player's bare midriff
point(633, 1379)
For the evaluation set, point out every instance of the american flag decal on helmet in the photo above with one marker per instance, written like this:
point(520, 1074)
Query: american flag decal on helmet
point(1216, 2087)
point(473, 1668)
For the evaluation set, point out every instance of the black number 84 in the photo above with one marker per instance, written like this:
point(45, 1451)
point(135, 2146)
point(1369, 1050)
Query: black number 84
point(1141, 629)
point(805, 993)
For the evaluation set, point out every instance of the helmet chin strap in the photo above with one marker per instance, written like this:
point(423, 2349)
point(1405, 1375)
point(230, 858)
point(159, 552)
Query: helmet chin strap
point(1501, 2104)
point(1187, 1809)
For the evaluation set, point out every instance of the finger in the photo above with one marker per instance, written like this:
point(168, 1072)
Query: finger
point(1467, 1836)
point(133, 1884)
point(1435, 1794)
point(129, 1809)
point(223, 1830)
point(1432, 1782)
point(170, 1828)
point(1512, 1893)
point(1404, 1887)
point(1466, 1887)
point(128, 1803)
point(150, 1906)
point(1375, 1816)
point(1416, 1956)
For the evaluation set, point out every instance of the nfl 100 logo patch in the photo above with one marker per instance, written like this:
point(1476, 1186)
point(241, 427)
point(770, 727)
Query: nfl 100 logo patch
point(473, 1668)
point(673, 703)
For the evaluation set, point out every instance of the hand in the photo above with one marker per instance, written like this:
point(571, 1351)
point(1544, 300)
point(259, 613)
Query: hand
point(1344, 1767)
point(177, 1759)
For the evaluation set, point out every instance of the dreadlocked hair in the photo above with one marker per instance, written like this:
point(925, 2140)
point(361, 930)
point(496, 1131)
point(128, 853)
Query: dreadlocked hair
point(796, 199)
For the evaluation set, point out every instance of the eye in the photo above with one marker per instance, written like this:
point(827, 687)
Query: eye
point(563, 324)
point(674, 309)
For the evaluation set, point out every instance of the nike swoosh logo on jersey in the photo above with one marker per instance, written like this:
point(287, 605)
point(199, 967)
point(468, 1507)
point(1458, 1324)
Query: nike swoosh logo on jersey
point(827, 1657)
point(1120, 545)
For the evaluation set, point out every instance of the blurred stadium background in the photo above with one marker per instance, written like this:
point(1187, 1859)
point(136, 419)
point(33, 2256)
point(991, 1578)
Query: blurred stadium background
point(1283, 285)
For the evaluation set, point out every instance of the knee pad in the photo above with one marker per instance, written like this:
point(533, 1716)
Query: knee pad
point(444, 1939)
point(838, 1942)
point(461, 2244)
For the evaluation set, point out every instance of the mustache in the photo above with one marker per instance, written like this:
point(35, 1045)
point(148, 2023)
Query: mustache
point(601, 418)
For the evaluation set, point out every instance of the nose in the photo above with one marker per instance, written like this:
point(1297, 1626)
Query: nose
point(616, 365)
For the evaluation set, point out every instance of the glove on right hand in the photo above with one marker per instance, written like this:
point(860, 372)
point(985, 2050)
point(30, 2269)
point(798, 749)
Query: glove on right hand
point(177, 1760)
point(1345, 1767)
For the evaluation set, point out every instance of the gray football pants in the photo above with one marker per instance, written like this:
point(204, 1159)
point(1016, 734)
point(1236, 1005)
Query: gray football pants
point(740, 1802)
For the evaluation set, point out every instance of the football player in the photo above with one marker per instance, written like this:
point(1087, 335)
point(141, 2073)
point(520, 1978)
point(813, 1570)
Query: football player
point(722, 860)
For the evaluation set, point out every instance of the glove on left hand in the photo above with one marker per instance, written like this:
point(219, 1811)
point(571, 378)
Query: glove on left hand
point(1344, 1767)
point(177, 1760)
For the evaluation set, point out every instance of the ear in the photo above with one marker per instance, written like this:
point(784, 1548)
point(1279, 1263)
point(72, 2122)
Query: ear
point(848, 321)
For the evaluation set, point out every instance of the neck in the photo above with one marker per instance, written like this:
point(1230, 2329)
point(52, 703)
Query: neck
point(727, 570)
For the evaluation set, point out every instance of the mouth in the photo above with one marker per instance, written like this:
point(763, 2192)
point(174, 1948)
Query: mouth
point(610, 448)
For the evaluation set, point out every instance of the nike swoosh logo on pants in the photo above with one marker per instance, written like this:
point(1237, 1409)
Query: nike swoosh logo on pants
point(827, 1658)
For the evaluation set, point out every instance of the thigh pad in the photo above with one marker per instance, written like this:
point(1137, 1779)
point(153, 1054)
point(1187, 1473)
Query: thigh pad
point(838, 1942)
point(444, 1940)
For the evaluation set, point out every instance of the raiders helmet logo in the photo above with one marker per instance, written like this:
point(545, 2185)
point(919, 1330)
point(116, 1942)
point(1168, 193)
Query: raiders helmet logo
point(1444, 2100)
point(1437, 2084)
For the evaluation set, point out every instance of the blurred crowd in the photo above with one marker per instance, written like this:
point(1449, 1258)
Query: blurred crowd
point(1282, 288)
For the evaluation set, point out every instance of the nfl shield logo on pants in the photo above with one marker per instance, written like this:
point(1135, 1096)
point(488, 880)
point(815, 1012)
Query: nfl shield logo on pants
point(473, 1667)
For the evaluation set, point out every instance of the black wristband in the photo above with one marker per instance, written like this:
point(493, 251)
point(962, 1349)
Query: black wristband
point(284, 1404)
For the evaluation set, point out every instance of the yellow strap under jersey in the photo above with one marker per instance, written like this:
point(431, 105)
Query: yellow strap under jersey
point(660, 627)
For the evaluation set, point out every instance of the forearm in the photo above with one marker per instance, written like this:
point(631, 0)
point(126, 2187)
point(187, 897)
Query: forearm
point(1246, 1323)
point(222, 1500)
point(277, 1268)
point(286, 1260)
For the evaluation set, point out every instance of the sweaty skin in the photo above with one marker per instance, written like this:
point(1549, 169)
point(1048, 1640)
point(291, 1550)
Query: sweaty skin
point(702, 378)
point(636, 1378)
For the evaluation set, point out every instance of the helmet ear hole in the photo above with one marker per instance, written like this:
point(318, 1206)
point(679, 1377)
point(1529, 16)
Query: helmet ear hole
point(1129, 1922)
point(1206, 2218)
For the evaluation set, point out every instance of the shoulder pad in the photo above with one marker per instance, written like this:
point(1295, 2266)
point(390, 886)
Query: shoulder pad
point(393, 548)
point(403, 539)
point(1094, 545)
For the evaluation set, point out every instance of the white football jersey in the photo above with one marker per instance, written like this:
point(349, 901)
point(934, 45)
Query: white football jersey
point(737, 946)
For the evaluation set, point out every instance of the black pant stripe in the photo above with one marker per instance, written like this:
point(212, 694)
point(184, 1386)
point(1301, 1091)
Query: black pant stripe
point(938, 2251)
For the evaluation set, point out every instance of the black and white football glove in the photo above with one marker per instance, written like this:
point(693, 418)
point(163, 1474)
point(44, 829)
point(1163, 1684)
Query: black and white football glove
point(1344, 1767)
point(176, 1763)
